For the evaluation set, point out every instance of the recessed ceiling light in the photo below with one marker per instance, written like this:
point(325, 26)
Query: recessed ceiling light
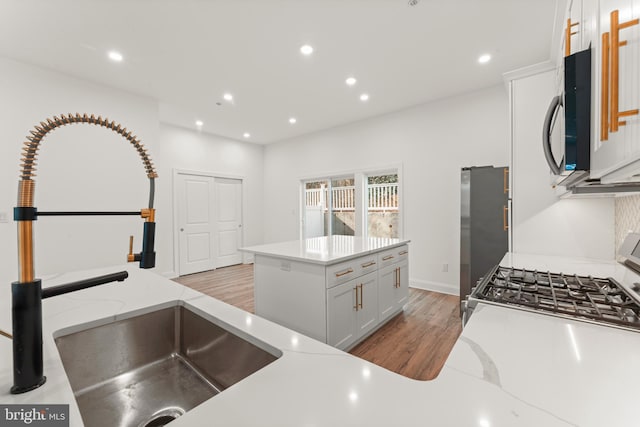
point(246, 135)
point(351, 81)
point(199, 123)
point(364, 97)
point(115, 56)
point(227, 97)
point(292, 120)
point(483, 59)
point(306, 49)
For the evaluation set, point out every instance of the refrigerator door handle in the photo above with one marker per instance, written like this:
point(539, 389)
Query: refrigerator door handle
point(505, 218)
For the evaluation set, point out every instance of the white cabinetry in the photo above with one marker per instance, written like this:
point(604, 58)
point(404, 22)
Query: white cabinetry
point(339, 303)
point(352, 310)
point(615, 155)
point(393, 283)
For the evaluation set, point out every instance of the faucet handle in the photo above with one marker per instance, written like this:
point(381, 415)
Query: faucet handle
point(131, 257)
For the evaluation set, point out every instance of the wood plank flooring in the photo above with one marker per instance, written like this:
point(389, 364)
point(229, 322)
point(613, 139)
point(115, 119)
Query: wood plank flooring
point(415, 343)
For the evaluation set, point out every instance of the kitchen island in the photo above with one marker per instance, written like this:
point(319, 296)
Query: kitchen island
point(509, 367)
point(336, 289)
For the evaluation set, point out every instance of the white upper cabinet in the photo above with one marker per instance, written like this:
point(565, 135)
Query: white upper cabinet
point(615, 155)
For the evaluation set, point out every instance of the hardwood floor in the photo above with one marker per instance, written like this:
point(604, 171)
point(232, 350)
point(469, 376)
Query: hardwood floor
point(233, 285)
point(415, 343)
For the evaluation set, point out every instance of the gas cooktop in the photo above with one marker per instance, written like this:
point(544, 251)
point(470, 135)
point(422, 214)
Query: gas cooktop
point(580, 297)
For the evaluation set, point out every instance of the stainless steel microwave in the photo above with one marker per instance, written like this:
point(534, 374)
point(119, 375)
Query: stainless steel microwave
point(576, 105)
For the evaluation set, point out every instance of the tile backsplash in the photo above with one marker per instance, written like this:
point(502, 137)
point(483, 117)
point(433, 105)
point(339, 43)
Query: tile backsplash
point(627, 217)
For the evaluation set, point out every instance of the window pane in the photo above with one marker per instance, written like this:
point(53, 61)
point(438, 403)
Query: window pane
point(382, 206)
point(343, 221)
point(315, 209)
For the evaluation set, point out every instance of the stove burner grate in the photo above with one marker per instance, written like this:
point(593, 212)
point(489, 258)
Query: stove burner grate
point(584, 297)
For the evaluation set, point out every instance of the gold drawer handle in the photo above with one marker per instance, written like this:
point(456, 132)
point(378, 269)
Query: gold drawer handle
point(614, 47)
point(342, 273)
point(403, 253)
point(604, 89)
point(369, 264)
point(360, 305)
point(568, 33)
point(387, 258)
point(355, 307)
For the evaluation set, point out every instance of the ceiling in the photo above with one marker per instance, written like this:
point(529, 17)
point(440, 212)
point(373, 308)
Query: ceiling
point(187, 53)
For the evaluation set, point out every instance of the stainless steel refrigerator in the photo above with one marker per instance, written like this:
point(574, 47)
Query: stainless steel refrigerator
point(484, 227)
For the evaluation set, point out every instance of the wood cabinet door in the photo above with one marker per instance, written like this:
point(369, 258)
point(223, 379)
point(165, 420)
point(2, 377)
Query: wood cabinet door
point(341, 314)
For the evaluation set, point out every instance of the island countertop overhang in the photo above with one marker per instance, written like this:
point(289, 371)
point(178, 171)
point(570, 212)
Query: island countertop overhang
point(325, 250)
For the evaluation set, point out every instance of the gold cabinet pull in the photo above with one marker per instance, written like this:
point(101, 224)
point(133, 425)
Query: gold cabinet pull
point(369, 264)
point(360, 304)
point(505, 180)
point(615, 46)
point(604, 89)
point(403, 253)
point(567, 36)
point(505, 222)
point(355, 307)
point(347, 271)
point(387, 258)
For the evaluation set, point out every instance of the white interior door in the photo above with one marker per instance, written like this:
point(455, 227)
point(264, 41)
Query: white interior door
point(196, 227)
point(228, 230)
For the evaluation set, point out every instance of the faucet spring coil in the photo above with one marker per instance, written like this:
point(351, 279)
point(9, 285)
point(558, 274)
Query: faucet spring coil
point(32, 145)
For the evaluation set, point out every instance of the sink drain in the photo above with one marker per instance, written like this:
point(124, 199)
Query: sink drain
point(163, 417)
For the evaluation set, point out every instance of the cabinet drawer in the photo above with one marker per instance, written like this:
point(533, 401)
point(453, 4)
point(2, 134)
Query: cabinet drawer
point(342, 272)
point(393, 256)
point(345, 271)
point(367, 264)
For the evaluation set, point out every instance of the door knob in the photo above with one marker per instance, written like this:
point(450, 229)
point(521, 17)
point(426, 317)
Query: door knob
point(182, 229)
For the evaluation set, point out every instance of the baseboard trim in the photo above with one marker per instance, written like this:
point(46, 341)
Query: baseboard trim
point(169, 274)
point(443, 288)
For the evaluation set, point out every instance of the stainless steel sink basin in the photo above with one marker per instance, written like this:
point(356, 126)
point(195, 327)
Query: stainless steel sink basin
point(149, 369)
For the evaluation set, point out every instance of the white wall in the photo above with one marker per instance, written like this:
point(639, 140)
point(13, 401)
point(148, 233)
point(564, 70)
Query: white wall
point(182, 149)
point(84, 167)
point(543, 224)
point(432, 142)
point(80, 167)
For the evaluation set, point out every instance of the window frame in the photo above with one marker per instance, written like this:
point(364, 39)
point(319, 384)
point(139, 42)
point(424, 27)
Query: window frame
point(360, 197)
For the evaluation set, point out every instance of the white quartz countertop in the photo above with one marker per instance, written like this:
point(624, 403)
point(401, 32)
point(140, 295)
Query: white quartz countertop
point(509, 368)
point(325, 250)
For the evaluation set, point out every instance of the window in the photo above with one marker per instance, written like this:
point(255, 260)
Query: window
point(360, 204)
point(315, 206)
point(382, 206)
point(329, 207)
point(343, 207)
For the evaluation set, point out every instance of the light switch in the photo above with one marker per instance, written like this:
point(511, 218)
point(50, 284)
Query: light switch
point(4, 217)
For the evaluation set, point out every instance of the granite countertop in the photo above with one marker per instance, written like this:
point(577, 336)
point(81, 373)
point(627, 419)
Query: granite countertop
point(326, 250)
point(509, 368)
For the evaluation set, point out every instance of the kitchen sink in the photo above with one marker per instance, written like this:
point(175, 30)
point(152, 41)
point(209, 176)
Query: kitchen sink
point(147, 370)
